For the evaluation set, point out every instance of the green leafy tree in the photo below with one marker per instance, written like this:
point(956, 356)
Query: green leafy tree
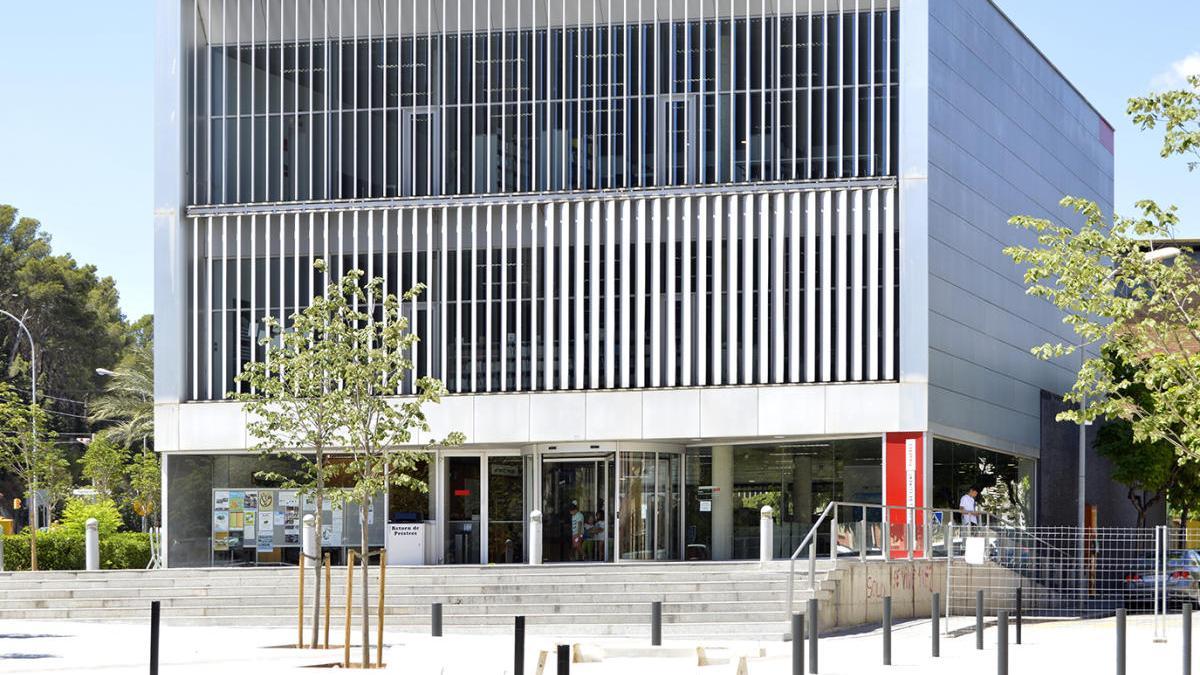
point(144, 477)
point(1148, 469)
point(294, 404)
point(78, 511)
point(104, 464)
point(1183, 497)
point(370, 358)
point(24, 443)
point(56, 478)
point(1116, 293)
point(72, 312)
point(1177, 112)
point(75, 319)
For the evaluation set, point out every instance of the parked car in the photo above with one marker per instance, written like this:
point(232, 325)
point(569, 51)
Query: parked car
point(1182, 579)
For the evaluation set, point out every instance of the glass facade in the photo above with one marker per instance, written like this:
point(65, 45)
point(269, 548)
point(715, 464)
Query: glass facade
point(797, 480)
point(1006, 482)
point(295, 102)
point(208, 525)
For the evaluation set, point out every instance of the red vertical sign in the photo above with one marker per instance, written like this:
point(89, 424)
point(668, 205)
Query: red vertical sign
point(904, 486)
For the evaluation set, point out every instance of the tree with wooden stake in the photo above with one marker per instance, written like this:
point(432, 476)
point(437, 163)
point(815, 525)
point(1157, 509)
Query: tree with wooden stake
point(374, 359)
point(293, 403)
point(324, 387)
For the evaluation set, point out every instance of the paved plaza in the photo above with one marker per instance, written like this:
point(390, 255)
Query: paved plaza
point(1051, 647)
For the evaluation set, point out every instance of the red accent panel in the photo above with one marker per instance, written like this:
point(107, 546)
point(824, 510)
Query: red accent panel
point(462, 493)
point(1107, 138)
point(904, 485)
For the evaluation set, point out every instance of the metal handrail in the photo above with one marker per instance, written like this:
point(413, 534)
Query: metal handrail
point(885, 548)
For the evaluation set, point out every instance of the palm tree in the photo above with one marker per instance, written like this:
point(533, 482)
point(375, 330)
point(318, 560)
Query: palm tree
point(127, 404)
point(127, 407)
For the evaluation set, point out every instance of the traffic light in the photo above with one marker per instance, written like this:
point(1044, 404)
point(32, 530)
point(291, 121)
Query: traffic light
point(16, 503)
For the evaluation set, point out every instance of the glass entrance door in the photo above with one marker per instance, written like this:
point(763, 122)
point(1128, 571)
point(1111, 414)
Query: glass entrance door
point(462, 510)
point(650, 516)
point(577, 519)
point(506, 509)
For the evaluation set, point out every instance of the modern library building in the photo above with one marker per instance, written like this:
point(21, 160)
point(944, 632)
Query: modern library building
point(683, 258)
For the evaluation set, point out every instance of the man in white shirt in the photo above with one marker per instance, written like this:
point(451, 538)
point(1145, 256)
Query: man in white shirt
point(970, 515)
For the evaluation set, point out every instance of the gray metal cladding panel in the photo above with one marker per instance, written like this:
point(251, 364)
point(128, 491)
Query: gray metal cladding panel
point(973, 380)
point(1008, 135)
point(971, 41)
point(1002, 426)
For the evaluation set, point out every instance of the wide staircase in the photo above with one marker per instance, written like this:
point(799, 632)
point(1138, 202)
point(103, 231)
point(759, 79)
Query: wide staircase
point(699, 599)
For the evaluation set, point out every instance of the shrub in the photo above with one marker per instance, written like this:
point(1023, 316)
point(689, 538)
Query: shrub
point(75, 516)
point(61, 549)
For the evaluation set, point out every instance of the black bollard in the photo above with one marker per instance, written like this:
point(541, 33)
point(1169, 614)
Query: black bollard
point(564, 660)
point(437, 619)
point(154, 613)
point(656, 623)
point(979, 620)
point(811, 613)
point(519, 646)
point(797, 644)
point(935, 617)
point(1187, 638)
point(508, 551)
point(887, 630)
point(1002, 642)
point(1018, 617)
point(1120, 642)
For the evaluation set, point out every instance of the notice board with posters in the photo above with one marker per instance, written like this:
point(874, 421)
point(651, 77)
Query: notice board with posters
point(268, 519)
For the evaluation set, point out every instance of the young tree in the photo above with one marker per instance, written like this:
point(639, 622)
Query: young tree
point(1116, 292)
point(144, 475)
point(56, 479)
point(104, 464)
point(294, 403)
point(25, 440)
point(368, 358)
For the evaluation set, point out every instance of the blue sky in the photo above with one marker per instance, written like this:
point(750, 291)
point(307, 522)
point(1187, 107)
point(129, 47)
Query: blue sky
point(77, 76)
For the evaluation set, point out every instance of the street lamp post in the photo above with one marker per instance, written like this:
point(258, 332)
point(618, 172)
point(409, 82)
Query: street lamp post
point(33, 506)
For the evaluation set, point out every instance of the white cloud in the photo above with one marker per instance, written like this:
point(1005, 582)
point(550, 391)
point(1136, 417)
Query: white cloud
point(1176, 75)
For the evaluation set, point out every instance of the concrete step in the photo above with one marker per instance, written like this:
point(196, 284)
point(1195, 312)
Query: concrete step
point(410, 596)
point(224, 616)
point(747, 598)
point(394, 576)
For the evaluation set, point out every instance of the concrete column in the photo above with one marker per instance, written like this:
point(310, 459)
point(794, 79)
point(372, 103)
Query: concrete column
point(92, 545)
point(535, 537)
point(766, 534)
point(722, 502)
point(802, 500)
point(308, 537)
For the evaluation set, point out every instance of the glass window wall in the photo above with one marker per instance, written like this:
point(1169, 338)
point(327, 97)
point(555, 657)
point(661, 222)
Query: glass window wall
point(584, 97)
point(1006, 482)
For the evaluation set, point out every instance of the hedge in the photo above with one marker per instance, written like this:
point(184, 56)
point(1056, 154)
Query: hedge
point(61, 550)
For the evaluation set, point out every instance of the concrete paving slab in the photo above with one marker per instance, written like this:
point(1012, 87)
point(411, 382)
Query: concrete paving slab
point(111, 648)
